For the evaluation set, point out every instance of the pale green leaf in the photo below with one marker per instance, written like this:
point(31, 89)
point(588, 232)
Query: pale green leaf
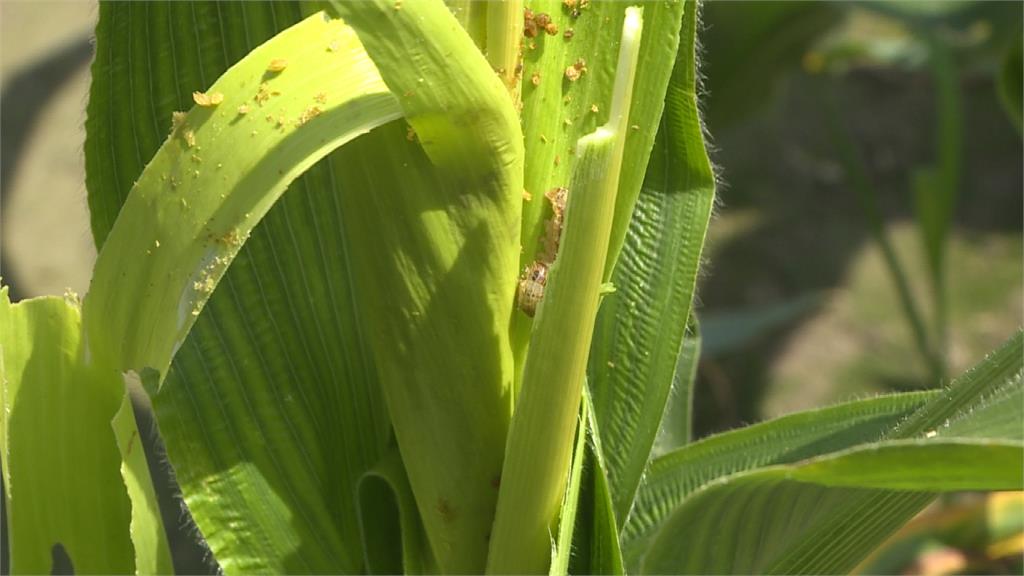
point(540, 437)
point(269, 411)
point(61, 466)
point(557, 112)
point(434, 237)
point(198, 198)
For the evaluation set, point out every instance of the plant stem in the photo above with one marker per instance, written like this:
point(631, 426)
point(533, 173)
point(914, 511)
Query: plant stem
point(504, 41)
point(541, 435)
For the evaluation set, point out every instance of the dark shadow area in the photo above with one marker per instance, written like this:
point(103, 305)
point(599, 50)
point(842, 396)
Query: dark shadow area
point(189, 553)
point(61, 561)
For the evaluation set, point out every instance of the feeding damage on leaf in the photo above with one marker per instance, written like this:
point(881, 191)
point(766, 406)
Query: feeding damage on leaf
point(534, 279)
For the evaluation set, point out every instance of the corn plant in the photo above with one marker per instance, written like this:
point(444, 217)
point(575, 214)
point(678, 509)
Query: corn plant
point(450, 346)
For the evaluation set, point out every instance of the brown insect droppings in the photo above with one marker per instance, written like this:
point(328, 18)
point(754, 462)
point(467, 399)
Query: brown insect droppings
point(308, 114)
point(277, 65)
point(558, 197)
point(543, 21)
point(445, 509)
point(321, 97)
point(574, 72)
point(529, 23)
point(558, 159)
point(263, 94)
point(535, 78)
point(575, 6)
point(568, 34)
point(410, 133)
point(177, 120)
point(207, 100)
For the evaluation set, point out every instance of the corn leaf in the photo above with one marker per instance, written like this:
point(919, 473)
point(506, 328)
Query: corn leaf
point(201, 194)
point(639, 334)
point(672, 477)
point(677, 424)
point(244, 439)
point(825, 512)
point(387, 509)
point(434, 228)
point(557, 112)
point(250, 410)
point(562, 551)
point(64, 493)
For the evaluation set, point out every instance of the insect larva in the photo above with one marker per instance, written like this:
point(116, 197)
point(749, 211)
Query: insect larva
point(277, 65)
point(531, 287)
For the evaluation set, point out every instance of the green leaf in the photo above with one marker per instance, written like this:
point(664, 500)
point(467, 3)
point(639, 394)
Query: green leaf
point(557, 112)
point(676, 428)
point(152, 552)
point(640, 328)
point(602, 533)
point(826, 513)
point(270, 410)
point(262, 441)
point(434, 234)
point(793, 506)
point(393, 538)
point(61, 466)
point(562, 551)
point(201, 194)
point(595, 540)
point(539, 446)
point(673, 477)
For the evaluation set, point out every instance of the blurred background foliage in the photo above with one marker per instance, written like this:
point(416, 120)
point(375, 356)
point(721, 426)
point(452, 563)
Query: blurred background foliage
point(868, 237)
